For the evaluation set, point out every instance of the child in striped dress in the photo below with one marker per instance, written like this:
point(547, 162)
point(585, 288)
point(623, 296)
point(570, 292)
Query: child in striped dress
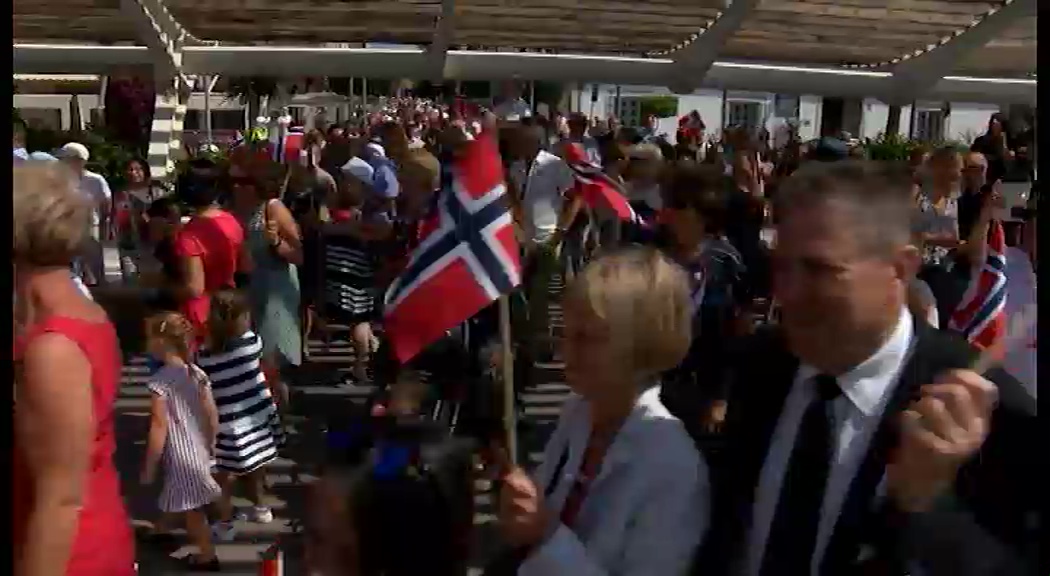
point(182, 433)
point(351, 243)
point(249, 427)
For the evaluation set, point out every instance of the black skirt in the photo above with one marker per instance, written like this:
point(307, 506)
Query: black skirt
point(349, 279)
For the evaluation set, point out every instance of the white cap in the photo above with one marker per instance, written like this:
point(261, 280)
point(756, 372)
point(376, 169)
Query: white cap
point(73, 150)
point(359, 169)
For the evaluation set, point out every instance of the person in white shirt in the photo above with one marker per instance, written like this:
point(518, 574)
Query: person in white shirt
point(76, 155)
point(621, 489)
point(539, 181)
point(643, 178)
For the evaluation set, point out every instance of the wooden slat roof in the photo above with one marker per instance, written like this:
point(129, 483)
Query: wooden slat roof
point(829, 32)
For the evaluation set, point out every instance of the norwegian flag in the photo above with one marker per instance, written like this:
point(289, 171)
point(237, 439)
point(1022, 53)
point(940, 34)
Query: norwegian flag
point(467, 258)
point(287, 145)
point(980, 316)
point(596, 188)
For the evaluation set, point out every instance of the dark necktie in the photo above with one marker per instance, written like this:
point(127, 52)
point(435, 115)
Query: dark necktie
point(793, 534)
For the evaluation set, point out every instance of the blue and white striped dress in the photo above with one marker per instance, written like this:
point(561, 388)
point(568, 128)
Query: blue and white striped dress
point(249, 426)
point(188, 484)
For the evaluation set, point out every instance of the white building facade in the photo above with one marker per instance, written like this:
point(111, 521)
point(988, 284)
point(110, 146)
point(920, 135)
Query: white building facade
point(814, 115)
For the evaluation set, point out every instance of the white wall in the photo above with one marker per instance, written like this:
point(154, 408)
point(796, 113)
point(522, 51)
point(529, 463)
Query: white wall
point(708, 103)
point(809, 108)
point(968, 120)
point(876, 113)
point(60, 102)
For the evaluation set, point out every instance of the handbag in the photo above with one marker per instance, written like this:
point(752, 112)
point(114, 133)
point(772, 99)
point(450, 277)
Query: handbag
point(507, 561)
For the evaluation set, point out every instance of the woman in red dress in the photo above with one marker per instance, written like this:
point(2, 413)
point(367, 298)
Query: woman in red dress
point(209, 248)
point(68, 514)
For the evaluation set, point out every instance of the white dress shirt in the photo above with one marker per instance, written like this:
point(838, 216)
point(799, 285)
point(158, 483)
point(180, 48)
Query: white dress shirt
point(646, 511)
point(542, 186)
point(856, 415)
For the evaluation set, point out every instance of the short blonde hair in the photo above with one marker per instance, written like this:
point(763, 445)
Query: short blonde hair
point(51, 216)
point(644, 299)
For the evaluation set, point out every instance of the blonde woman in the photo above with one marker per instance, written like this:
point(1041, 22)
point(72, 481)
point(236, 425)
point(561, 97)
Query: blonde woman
point(68, 516)
point(621, 489)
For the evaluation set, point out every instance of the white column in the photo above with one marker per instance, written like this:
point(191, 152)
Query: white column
point(169, 116)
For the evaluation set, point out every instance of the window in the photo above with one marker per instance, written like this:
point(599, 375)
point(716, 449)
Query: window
point(744, 114)
point(630, 112)
point(194, 120)
point(785, 106)
point(220, 120)
point(38, 118)
point(929, 126)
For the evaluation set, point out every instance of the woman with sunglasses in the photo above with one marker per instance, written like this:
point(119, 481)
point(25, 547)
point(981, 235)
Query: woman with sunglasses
point(274, 243)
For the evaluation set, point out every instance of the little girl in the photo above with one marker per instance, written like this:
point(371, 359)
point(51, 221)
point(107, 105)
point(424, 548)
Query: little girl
point(249, 433)
point(351, 242)
point(182, 430)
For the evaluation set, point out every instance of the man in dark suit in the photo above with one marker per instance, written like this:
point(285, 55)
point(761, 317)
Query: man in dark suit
point(853, 430)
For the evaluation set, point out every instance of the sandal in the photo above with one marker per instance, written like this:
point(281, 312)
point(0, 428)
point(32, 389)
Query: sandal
point(193, 563)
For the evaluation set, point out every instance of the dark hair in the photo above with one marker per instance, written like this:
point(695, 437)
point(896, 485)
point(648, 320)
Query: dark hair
point(611, 151)
point(198, 190)
point(628, 135)
point(163, 208)
point(141, 162)
point(228, 307)
point(701, 188)
point(1002, 119)
point(881, 190)
point(19, 130)
point(669, 152)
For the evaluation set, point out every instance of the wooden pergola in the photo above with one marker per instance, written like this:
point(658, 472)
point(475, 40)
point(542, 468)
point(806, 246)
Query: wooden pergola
point(870, 33)
point(895, 50)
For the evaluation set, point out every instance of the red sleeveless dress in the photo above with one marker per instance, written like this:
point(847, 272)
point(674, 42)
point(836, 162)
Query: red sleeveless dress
point(104, 544)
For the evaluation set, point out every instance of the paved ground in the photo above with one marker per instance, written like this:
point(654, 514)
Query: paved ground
point(325, 390)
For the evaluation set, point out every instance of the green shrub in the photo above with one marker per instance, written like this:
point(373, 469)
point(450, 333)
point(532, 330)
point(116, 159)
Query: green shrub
point(659, 106)
point(106, 157)
point(890, 147)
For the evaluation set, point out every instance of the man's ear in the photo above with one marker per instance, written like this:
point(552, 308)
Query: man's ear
point(907, 262)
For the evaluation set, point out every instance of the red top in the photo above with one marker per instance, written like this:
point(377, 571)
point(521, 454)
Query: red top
point(341, 215)
point(217, 241)
point(103, 544)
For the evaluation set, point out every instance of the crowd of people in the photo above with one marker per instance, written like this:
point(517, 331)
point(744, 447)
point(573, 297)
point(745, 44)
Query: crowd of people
point(765, 377)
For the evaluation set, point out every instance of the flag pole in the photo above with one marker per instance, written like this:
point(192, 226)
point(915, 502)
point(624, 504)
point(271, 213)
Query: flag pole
point(510, 423)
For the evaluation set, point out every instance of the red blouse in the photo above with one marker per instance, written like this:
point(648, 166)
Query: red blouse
point(104, 544)
point(217, 240)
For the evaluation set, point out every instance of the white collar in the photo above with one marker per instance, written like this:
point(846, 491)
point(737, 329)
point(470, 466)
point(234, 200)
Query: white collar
point(868, 384)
